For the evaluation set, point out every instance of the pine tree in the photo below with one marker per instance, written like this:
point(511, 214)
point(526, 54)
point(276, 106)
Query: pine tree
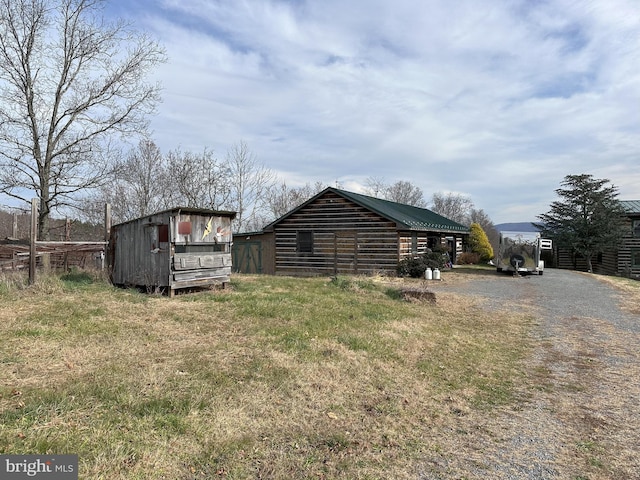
point(587, 219)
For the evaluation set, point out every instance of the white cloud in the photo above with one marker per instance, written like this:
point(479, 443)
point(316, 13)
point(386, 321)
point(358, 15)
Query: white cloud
point(498, 100)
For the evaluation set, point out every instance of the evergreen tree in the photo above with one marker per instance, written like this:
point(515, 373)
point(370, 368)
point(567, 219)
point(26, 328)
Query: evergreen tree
point(479, 242)
point(588, 219)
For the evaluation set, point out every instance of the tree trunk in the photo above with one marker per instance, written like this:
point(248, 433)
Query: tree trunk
point(589, 266)
point(43, 213)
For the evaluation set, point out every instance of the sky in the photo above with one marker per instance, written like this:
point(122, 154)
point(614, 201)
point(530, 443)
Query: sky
point(494, 100)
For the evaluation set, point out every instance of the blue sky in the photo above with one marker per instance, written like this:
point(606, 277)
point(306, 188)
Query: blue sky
point(495, 100)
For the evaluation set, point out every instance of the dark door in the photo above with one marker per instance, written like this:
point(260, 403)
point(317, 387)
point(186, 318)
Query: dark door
point(247, 257)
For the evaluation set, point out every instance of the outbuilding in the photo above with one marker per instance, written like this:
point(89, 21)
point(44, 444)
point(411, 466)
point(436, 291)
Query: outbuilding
point(172, 249)
point(341, 232)
point(623, 260)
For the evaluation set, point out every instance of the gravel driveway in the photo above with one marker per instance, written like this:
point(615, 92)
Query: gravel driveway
point(582, 419)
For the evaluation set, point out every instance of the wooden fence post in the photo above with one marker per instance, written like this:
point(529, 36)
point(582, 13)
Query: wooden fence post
point(107, 232)
point(14, 235)
point(67, 238)
point(33, 236)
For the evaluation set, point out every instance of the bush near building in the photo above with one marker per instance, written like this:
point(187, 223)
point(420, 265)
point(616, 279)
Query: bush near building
point(479, 243)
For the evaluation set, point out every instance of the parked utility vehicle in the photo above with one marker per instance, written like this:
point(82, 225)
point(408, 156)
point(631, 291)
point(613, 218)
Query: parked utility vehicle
point(519, 252)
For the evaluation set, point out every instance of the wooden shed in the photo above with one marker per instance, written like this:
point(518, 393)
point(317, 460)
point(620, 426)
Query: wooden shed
point(343, 232)
point(173, 249)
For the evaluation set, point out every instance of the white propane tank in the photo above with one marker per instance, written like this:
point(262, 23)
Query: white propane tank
point(436, 274)
point(428, 274)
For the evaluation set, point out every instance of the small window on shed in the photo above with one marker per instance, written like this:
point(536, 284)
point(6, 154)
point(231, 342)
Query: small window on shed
point(635, 258)
point(635, 227)
point(163, 233)
point(304, 241)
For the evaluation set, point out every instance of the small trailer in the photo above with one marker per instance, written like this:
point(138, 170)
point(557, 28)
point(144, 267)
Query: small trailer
point(173, 249)
point(519, 253)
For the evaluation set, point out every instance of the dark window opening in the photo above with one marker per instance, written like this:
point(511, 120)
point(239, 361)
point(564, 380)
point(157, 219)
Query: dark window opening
point(635, 258)
point(304, 242)
point(201, 248)
point(163, 233)
point(635, 226)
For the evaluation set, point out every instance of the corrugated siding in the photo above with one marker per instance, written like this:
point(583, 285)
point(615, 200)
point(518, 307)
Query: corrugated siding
point(347, 238)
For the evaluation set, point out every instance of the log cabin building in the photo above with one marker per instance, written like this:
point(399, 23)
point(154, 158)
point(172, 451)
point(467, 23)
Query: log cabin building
point(340, 232)
point(622, 261)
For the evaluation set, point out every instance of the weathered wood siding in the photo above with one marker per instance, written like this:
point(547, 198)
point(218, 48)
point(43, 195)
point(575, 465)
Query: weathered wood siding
point(604, 264)
point(614, 262)
point(417, 243)
point(347, 238)
point(171, 250)
point(413, 243)
point(630, 243)
point(254, 253)
point(137, 256)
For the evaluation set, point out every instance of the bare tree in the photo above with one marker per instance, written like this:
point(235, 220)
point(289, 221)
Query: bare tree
point(482, 219)
point(282, 199)
point(249, 183)
point(69, 81)
point(375, 187)
point(136, 188)
point(195, 180)
point(453, 206)
point(401, 192)
point(407, 193)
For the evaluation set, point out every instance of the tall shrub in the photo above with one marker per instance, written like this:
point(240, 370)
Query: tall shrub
point(479, 242)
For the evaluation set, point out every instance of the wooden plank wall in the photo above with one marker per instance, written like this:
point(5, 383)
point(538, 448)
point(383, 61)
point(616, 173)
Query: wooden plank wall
point(347, 239)
point(605, 264)
point(138, 257)
point(609, 263)
point(412, 245)
point(254, 253)
point(629, 243)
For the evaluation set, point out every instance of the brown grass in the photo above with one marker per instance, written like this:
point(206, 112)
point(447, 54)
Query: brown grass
point(272, 378)
point(629, 292)
point(312, 378)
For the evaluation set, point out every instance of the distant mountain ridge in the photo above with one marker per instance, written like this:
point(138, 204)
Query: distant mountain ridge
point(517, 227)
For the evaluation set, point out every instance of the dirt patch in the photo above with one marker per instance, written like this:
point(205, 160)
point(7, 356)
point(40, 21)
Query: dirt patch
point(418, 294)
point(576, 413)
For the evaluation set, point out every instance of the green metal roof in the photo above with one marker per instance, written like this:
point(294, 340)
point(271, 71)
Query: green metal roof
point(406, 216)
point(631, 206)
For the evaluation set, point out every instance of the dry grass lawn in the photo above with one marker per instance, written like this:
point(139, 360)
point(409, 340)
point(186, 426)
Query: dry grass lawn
point(282, 378)
point(270, 378)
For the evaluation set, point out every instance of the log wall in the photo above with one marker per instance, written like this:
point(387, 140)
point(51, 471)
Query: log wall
point(347, 238)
